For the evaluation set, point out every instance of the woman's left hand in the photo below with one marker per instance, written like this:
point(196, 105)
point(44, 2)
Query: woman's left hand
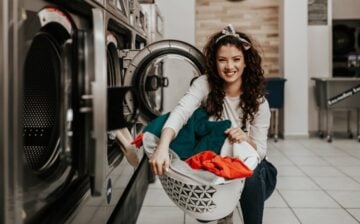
point(236, 135)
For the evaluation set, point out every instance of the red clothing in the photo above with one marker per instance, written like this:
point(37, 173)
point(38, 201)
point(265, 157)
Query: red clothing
point(138, 141)
point(227, 167)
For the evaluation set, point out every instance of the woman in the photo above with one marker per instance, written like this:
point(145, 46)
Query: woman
point(232, 89)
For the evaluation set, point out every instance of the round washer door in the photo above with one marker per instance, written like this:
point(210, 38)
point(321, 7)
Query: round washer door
point(48, 34)
point(162, 73)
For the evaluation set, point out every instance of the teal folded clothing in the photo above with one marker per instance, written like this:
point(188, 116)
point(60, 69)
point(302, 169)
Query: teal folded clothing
point(199, 134)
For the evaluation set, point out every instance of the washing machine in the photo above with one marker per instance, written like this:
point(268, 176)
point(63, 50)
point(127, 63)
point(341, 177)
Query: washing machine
point(63, 109)
point(138, 17)
point(129, 190)
point(77, 172)
point(65, 167)
point(125, 184)
point(71, 67)
point(155, 22)
point(162, 72)
point(119, 9)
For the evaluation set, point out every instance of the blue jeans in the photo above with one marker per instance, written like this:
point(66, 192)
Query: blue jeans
point(257, 189)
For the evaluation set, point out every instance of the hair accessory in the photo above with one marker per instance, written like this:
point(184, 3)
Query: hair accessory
point(230, 31)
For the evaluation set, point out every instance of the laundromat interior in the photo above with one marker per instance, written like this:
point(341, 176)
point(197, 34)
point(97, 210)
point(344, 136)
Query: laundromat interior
point(81, 79)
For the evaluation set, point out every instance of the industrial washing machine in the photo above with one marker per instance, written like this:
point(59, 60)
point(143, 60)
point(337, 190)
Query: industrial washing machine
point(64, 109)
point(126, 185)
point(162, 72)
point(74, 73)
point(66, 76)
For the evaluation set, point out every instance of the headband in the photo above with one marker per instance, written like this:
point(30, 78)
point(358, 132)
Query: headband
point(229, 31)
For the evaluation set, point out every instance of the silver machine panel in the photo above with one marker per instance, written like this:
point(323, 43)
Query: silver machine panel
point(10, 128)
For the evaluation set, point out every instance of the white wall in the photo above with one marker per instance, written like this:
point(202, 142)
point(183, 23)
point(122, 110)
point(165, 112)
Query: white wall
point(179, 19)
point(320, 61)
point(294, 59)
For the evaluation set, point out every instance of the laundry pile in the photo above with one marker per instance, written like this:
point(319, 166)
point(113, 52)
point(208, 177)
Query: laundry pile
point(199, 144)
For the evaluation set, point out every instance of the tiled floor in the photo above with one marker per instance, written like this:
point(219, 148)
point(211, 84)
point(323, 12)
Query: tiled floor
point(318, 183)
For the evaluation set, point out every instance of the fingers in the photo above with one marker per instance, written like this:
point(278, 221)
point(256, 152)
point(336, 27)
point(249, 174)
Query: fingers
point(159, 167)
point(236, 135)
point(126, 134)
point(153, 166)
point(166, 165)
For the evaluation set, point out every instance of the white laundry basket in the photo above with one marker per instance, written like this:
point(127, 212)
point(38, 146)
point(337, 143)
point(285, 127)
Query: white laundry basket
point(200, 194)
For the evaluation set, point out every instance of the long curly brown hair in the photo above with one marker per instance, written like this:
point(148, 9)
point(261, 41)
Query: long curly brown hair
point(253, 81)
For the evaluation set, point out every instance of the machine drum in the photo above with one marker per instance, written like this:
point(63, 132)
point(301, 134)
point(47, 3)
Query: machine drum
point(41, 102)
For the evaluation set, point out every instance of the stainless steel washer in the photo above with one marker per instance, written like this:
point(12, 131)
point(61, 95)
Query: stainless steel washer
point(63, 117)
point(162, 71)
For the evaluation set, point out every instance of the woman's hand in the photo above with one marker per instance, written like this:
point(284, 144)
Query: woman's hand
point(236, 135)
point(159, 161)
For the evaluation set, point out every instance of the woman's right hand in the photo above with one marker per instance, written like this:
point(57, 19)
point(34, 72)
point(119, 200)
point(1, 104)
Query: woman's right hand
point(159, 161)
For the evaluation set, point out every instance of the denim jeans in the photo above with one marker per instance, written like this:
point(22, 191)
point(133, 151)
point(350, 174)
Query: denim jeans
point(257, 189)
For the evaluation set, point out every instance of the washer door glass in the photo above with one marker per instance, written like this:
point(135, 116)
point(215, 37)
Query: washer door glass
point(163, 72)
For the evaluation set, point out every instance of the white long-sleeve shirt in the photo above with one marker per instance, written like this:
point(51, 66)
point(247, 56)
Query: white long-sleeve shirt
point(198, 93)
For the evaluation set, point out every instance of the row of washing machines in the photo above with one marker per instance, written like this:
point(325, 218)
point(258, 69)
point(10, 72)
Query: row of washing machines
point(72, 73)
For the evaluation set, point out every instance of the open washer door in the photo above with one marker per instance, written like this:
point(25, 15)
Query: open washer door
point(162, 73)
point(94, 105)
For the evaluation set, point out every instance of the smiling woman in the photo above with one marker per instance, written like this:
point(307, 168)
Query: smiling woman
point(233, 89)
point(230, 66)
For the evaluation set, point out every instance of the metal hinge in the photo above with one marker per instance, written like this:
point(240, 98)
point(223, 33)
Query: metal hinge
point(127, 55)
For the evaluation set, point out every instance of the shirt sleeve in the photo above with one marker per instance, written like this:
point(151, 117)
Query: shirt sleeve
point(197, 92)
point(259, 128)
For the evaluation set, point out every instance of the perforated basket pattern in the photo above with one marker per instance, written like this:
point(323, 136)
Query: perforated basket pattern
point(195, 198)
point(200, 194)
